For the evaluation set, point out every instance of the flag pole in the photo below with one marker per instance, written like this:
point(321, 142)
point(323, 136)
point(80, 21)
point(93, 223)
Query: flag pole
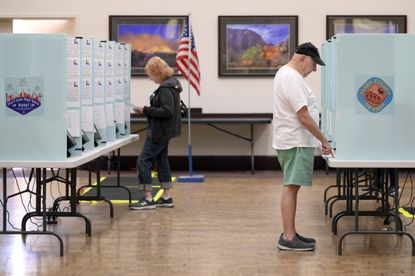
point(189, 114)
point(190, 178)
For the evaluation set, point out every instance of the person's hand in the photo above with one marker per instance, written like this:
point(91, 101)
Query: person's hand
point(326, 148)
point(138, 110)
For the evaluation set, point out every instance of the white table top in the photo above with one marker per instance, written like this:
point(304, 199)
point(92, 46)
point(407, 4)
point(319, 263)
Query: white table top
point(334, 163)
point(73, 161)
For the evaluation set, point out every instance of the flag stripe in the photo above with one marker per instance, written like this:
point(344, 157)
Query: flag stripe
point(188, 66)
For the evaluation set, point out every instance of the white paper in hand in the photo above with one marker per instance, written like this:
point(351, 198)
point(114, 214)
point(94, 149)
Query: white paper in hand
point(132, 105)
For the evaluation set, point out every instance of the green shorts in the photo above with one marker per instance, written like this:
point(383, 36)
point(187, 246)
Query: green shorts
point(297, 165)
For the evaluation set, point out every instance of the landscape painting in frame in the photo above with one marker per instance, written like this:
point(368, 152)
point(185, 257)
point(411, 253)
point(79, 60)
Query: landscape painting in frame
point(384, 24)
point(149, 36)
point(255, 45)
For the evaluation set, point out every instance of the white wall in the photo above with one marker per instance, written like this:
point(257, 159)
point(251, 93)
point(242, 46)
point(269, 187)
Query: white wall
point(44, 26)
point(219, 95)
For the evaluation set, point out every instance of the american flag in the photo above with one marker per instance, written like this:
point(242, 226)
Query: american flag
point(183, 60)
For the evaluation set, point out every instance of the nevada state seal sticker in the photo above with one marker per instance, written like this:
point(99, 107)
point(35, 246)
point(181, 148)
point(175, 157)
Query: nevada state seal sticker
point(375, 95)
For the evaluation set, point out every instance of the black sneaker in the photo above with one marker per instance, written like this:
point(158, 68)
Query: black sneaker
point(143, 204)
point(304, 239)
point(295, 245)
point(161, 202)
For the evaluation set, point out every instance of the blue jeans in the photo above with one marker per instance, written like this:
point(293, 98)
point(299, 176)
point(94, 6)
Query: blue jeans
point(150, 153)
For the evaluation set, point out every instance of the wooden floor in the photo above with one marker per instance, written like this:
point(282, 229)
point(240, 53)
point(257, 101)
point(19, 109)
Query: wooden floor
point(227, 225)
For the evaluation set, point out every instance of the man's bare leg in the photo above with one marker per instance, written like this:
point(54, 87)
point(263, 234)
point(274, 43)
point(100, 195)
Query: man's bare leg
point(288, 210)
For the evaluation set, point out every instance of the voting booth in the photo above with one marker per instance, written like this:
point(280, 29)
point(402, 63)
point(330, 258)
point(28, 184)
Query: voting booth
point(368, 100)
point(57, 95)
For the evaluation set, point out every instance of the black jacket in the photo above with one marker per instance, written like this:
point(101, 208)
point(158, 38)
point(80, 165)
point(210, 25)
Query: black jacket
point(163, 113)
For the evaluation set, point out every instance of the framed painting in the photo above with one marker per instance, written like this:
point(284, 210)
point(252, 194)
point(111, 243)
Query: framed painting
point(149, 36)
point(256, 45)
point(341, 24)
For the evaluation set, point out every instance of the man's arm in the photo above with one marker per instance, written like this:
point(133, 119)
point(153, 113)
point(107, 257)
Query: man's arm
point(311, 126)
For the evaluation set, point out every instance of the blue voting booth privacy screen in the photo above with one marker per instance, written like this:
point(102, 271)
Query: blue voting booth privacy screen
point(368, 97)
point(32, 76)
point(57, 90)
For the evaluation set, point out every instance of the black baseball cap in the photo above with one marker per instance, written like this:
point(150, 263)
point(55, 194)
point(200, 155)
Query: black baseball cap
point(310, 50)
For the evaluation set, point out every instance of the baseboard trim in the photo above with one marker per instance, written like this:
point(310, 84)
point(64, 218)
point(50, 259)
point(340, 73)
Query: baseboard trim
point(220, 163)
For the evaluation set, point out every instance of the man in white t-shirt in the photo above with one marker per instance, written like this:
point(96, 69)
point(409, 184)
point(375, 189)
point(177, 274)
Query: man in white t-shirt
point(295, 136)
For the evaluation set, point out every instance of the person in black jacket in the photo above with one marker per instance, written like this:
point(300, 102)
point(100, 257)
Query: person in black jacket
point(164, 123)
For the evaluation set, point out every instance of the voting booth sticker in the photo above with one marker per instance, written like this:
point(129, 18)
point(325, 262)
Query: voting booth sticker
point(24, 95)
point(375, 94)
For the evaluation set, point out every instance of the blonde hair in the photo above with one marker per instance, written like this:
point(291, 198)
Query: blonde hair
point(158, 68)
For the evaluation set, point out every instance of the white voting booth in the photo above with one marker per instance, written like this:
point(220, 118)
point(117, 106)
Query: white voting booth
point(368, 97)
point(57, 90)
point(109, 89)
point(87, 119)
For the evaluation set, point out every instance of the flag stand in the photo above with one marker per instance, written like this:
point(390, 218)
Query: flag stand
point(190, 178)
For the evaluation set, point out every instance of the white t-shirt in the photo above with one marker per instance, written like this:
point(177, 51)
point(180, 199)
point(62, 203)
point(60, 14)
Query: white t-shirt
point(290, 94)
